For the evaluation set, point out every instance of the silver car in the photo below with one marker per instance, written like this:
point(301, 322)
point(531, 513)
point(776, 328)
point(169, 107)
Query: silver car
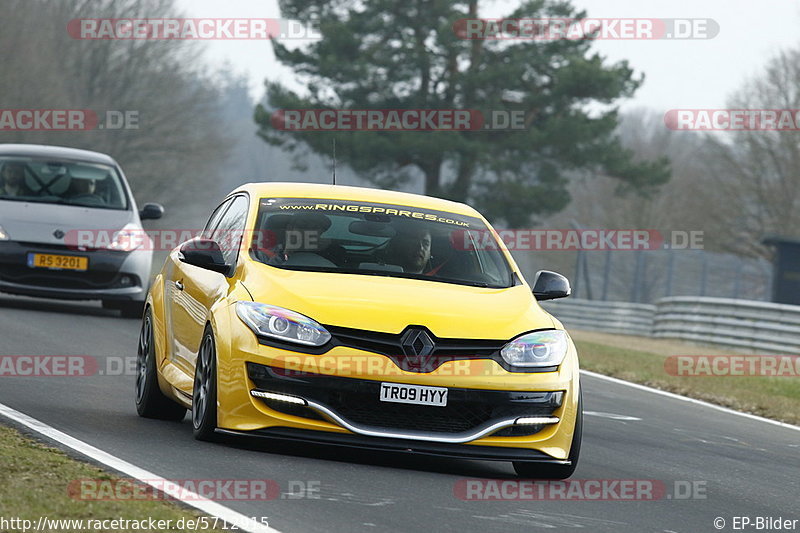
point(70, 228)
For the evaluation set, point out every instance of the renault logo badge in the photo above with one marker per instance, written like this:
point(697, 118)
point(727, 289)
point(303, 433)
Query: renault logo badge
point(417, 343)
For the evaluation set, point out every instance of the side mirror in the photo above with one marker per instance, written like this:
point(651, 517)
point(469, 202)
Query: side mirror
point(550, 285)
point(151, 212)
point(204, 253)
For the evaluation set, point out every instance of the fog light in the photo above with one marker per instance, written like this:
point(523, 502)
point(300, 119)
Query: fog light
point(126, 281)
point(277, 397)
point(536, 420)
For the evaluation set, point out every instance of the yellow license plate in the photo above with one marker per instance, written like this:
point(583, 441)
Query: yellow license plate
point(61, 262)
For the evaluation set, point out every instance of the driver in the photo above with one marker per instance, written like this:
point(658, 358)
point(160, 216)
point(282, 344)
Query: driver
point(14, 180)
point(411, 249)
point(82, 187)
point(84, 191)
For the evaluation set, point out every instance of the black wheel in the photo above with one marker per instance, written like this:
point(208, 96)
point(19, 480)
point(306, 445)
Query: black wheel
point(204, 394)
point(126, 309)
point(131, 309)
point(150, 401)
point(551, 471)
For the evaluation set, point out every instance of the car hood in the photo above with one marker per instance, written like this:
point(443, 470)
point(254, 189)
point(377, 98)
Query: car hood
point(37, 222)
point(386, 304)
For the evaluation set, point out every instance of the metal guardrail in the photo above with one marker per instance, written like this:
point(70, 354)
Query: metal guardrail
point(744, 324)
point(613, 317)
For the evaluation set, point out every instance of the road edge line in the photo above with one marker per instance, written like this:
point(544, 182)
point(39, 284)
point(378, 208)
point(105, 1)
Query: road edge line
point(690, 400)
point(211, 508)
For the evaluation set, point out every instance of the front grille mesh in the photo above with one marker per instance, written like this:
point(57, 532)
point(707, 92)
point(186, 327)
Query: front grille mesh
point(357, 401)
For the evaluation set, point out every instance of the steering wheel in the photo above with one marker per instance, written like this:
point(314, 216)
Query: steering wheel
point(86, 198)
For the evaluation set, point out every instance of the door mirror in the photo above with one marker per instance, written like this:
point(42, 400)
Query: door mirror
point(550, 285)
point(204, 253)
point(151, 212)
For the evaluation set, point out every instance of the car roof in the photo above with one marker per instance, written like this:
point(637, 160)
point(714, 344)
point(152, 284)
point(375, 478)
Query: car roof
point(56, 152)
point(346, 192)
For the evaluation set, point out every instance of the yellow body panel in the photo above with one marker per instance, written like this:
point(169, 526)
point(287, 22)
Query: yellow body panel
point(375, 303)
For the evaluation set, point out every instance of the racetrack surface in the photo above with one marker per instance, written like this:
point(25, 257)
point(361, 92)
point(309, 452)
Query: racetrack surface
point(747, 467)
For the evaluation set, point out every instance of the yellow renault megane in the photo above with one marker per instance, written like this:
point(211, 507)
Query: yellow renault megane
point(366, 318)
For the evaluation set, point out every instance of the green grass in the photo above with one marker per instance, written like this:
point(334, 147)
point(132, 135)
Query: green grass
point(772, 397)
point(34, 481)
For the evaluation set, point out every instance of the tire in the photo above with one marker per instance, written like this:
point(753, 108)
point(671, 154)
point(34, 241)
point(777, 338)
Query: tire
point(204, 392)
point(150, 401)
point(131, 309)
point(554, 471)
point(127, 309)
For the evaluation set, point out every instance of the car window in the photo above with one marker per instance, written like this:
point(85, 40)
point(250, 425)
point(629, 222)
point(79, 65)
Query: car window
point(379, 240)
point(213, 220)
point(50, 181)
point(228, 233)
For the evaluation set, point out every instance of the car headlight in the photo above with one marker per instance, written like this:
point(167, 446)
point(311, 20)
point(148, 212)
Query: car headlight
point(537, 349)
point(3, 235)
point(127, 239)
point(279, 323)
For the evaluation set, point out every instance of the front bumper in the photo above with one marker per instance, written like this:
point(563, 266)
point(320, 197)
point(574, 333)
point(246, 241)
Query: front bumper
point(354, 404)
point(111, 275)
point(341, 403)
point(480, 453)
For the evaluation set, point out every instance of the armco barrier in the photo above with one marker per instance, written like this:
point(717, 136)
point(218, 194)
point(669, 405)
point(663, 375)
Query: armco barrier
point(613, 317)
point(744, 324)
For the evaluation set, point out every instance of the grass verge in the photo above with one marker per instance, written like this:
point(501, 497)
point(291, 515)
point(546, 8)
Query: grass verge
point(641, 360)
point(34, 481)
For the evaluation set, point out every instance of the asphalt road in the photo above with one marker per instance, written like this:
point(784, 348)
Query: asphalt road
point(741, 467)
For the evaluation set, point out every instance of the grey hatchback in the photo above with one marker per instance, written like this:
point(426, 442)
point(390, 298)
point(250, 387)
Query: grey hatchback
point(50, 194)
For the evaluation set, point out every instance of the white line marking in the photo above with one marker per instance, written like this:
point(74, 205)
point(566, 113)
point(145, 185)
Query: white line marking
point(210, 508)
point(690, 400)
point(612, 416)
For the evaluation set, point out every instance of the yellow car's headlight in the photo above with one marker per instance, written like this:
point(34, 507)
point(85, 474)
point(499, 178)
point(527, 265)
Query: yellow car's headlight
point(281, 324)
point(537, 349)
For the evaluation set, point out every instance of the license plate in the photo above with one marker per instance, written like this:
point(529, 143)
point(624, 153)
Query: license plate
point(60, 262)
point(416, 394)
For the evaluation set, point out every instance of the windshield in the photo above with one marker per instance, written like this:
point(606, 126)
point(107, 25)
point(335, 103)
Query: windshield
point(377, 239)
point(61, 182)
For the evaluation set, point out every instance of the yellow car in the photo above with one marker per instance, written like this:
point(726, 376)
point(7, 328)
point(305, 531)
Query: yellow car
point(366, 318)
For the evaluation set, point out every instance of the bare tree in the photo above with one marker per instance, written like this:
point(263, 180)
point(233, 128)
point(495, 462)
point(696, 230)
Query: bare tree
point(596, 202)
point(180, 144)
point(756, 174)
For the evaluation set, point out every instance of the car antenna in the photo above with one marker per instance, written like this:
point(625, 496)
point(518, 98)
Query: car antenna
point(334, 160)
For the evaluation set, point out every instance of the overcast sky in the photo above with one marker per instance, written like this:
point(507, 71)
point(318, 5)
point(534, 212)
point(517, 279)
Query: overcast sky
point(679, 74)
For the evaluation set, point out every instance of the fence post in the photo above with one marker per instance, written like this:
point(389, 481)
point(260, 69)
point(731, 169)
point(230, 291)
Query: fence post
point(670, 270)
point(704, 276)
point(637, 278)
point(606, 275)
